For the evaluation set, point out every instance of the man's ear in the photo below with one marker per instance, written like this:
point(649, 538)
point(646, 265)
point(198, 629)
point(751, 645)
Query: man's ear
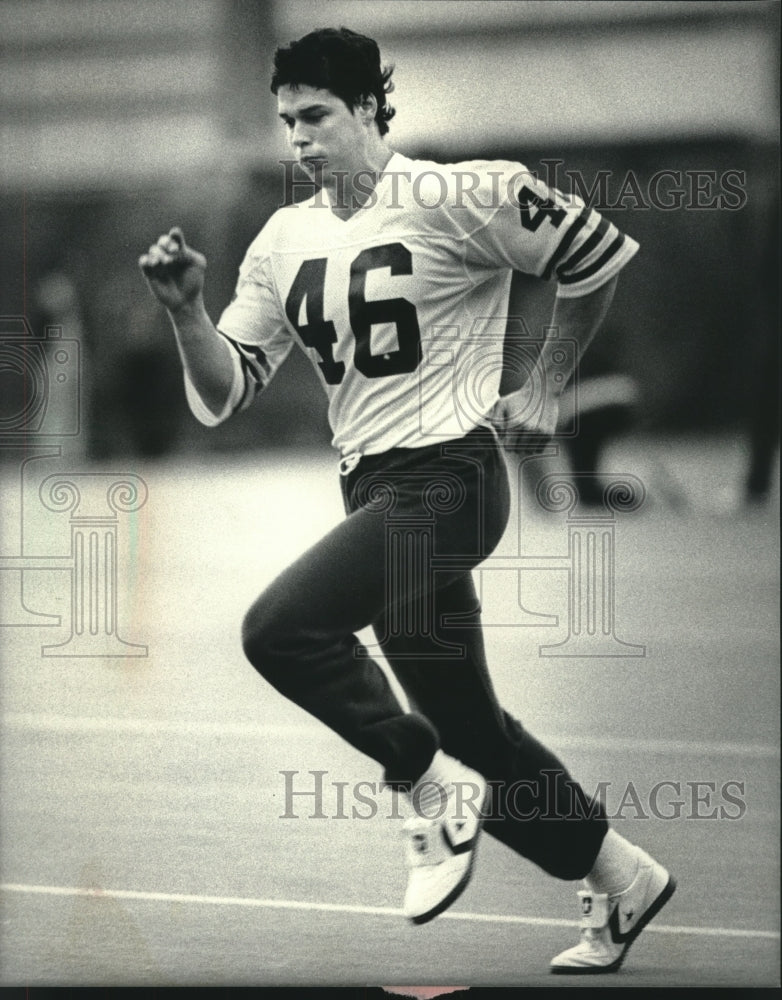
point(367, 108)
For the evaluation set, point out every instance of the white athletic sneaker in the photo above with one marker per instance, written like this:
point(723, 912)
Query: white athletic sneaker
point(610, 924)
point(441, 852)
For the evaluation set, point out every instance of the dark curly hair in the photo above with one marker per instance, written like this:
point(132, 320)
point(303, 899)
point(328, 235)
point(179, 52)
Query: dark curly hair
point(339, 60)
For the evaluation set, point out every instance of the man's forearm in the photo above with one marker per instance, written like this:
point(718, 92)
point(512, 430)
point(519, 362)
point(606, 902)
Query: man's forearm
point(576, 320)
point(205, 355)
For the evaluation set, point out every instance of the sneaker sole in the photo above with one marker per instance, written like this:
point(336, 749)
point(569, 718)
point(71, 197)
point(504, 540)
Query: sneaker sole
point(594, 970)
point(461, 885)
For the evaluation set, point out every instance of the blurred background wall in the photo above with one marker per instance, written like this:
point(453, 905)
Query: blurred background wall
point(121, 118)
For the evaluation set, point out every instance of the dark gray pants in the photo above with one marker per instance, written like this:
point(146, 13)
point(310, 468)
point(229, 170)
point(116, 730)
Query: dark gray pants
point(418, 521)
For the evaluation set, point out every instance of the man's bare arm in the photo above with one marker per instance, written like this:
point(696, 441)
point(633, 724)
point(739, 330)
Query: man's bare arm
point(175, 274)
point(533, 410)
point(578, 320)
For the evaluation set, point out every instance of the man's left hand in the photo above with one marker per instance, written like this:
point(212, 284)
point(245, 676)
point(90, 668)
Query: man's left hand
point(526, 419)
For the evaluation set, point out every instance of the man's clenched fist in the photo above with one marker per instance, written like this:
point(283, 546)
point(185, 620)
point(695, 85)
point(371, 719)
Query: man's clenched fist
point(174, 271)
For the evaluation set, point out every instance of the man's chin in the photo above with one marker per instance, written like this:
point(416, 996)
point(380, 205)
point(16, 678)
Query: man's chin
point(313, 167)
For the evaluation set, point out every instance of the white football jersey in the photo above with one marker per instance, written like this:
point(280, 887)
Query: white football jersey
point(402, 308)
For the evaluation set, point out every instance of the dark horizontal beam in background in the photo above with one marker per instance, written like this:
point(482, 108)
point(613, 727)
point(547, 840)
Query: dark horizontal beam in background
point(99, 108)
point(55, 85)
point(37, 25)
point(161, 43)
point(605, 25)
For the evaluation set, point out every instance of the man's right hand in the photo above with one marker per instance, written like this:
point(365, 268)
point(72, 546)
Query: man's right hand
point(174, 272)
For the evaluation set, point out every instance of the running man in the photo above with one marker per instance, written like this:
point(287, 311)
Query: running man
point(391, 278)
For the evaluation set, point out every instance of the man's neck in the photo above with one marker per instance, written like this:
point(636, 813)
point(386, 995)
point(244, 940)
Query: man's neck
point(348, 194)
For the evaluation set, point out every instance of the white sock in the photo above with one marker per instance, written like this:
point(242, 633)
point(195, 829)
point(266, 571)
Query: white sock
point(615, 867)
point(430, 791)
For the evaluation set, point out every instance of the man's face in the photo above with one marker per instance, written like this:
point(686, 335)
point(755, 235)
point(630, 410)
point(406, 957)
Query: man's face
point(324, 134)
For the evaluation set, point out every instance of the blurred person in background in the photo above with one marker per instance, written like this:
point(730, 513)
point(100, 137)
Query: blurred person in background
point(57, 305)
point(368, 277)
point(763, 388)
point(598, 408)
point(601, 404)
point(131, 410)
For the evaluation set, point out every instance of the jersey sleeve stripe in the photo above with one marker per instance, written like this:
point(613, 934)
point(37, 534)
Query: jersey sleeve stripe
point(565, 243)
point(255, 364)
point(585, 249)
point(596, 266)
point(255, 370)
